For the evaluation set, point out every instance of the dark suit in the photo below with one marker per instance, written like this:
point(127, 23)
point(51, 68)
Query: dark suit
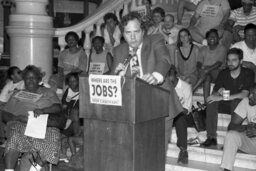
point(154, 58)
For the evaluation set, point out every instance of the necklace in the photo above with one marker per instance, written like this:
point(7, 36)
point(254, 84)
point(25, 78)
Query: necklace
point(183, 57)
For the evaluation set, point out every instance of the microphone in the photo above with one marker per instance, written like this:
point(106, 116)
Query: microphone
point(125, 62)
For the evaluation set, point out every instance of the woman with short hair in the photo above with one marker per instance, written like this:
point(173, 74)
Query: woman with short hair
point(15, 114)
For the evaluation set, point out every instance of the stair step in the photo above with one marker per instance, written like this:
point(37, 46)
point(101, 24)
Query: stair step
point(192, 133)
point(171, 165)
point(213, 156)
point(223, 120)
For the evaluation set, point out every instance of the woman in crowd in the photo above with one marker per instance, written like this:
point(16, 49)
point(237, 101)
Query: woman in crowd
point(70, 105)
point(72, 59)
point(15, 113)
point(185, 57)
point(111, 31)
point(73, 131)
point(99, 55)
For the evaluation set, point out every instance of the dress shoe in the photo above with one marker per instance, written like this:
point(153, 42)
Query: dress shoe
point(183, 157)
point(209, 142)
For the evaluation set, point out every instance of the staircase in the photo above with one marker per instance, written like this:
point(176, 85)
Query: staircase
point(207, 159)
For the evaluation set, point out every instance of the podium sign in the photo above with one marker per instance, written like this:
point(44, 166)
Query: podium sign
point(105, 90)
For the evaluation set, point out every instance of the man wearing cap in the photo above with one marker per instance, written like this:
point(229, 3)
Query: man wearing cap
point(240, 17)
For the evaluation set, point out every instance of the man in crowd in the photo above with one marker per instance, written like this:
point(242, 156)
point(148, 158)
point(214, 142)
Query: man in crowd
point(248, 46)
point(150, 61)
point(211, 59)
point(237, 80)
point(240, 136)
point(169, 30)
point(240, 17)
point(184, 92)
point(209, 14)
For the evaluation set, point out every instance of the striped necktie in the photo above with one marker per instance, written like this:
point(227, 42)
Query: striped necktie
point(134, 64)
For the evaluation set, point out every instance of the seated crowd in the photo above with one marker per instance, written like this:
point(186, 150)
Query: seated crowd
point(218, 46)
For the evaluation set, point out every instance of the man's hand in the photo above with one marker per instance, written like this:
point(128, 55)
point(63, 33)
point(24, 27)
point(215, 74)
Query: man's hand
point(120, 67)
point(220, 91)
point(214, 98)
point(251, 130)
point(149, 78)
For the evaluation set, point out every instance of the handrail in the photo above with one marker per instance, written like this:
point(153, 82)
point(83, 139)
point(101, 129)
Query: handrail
point(87, 24)
point(110, 5)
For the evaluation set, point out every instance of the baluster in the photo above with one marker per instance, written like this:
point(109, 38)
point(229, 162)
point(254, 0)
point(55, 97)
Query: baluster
point(125, 11)
point(98, 28)
point(118, 10)
point(87, 42)
point(140, 3)
point(153, 2)
point(133, 6)
point(104, 1)
point(79, 34)
point(62, 43)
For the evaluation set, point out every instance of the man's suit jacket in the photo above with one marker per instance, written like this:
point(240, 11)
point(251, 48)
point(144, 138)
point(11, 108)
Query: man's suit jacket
point(155, 57)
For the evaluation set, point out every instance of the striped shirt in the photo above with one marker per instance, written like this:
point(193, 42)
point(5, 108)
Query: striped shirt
point(240, 19)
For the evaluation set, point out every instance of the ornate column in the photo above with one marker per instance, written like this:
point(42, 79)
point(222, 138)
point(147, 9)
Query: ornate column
point(31, 31)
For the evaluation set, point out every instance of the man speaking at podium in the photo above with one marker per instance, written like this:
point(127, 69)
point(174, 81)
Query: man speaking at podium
point(148, 58)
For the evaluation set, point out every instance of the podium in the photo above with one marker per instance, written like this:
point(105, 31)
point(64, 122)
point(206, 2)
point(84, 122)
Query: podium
point(130, 137)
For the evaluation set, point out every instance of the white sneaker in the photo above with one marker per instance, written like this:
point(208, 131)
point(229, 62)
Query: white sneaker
point(194, 141)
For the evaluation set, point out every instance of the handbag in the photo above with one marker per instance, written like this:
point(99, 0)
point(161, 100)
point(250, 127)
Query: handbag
point(199, 117)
